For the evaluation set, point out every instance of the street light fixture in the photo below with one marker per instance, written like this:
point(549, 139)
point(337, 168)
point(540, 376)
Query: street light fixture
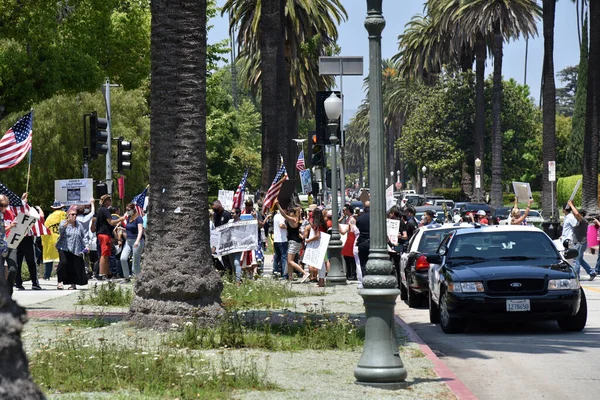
point(380, 364)
point(424, 178)
point(398, 176)
point(477, 180)
point(336, 275)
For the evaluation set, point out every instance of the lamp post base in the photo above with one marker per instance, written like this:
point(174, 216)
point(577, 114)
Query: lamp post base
point(337, 274)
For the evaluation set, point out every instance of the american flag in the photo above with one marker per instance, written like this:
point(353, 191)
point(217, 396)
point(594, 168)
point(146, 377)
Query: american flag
point(238, 197)
point(139, 201)
point(300, 166)
point(275, 188)
point(17, 206)
point(16, 142)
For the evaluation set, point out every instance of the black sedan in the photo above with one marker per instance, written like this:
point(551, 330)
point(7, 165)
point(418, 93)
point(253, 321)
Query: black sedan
point(503, 273)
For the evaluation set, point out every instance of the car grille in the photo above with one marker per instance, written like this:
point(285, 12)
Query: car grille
point(516, 287)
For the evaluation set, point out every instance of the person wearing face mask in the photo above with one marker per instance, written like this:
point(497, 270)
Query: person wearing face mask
point(134, 231)
point(85, 214)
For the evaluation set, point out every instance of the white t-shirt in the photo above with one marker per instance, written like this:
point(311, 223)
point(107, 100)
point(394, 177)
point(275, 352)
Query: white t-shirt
point(568, 224)
point(279, 234)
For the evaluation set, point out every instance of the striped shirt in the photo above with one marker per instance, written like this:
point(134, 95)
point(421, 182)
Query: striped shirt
point(71, 238)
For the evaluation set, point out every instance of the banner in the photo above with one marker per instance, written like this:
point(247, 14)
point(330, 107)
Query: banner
point(314, 253)
point(226, 198)
point(24, 224)
point(393, 228)
point(235, 237)
point(74, 191)
point(306, 181)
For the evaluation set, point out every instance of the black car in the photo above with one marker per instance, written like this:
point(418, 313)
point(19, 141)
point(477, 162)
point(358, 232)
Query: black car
point(500, 214)
point(413, 280)
point(503, 272)
point(474, 207)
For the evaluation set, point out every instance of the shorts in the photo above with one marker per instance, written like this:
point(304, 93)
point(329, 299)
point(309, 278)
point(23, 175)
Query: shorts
point(294, 247)
point(105, 243)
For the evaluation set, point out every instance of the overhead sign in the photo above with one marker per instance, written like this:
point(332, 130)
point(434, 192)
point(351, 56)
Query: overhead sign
point(74, 191)
point(334, 65)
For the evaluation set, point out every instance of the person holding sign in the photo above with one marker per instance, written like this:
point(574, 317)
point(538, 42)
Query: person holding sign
point(8, 255)
point(71, 270)
point(316, 226)
point(515, 215)
point(295, 238)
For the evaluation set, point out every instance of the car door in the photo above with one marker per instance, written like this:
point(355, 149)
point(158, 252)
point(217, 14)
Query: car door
point(434, 271)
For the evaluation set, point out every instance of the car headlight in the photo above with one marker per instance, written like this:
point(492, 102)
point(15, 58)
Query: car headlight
point(563, 284)
point(466, 287)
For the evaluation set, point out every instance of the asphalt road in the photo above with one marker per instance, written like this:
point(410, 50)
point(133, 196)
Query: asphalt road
point(520, 361)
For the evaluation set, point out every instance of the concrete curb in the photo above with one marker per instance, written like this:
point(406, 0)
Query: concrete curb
point(454, 384)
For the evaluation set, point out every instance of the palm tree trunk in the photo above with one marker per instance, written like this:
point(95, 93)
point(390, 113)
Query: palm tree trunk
point(178, 279)
point(285, 144)
point(549, 110)
point(496, 191)
point(589, 199)
point(479, 138)
point(269, 36)
point(15, 381)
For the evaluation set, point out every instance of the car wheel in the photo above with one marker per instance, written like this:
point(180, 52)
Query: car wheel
point(448, 323)
point(414, 299)
point(434, 311)
point(403, 294)
point(575, 323)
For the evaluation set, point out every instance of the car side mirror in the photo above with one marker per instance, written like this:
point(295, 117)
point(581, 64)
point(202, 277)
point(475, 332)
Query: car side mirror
point(434, 258)
point(566, 243)
point(571, 253)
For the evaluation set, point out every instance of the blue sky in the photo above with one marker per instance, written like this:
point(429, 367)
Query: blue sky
point(353, 41)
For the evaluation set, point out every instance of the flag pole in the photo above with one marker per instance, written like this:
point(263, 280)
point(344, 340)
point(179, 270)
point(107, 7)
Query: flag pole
point(29, 163)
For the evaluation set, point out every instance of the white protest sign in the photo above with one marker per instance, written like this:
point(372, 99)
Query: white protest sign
point(344, 237)
point(575, 190)
point(393, 228)
point(390, 201)
point(236, 237)
point(551, 171)
point(24, 223)
point(74, 191)
point(522, 191)
point(226, 198)
point(314, 253)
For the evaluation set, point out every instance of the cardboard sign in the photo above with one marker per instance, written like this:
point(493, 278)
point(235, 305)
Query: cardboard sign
point(235, 237)
point(522, 191)
point(314, 253)
point(306, 181)
point(74, 191)
point(226, 198)
point(24, 223)
point(286, 193)
point(575, 190)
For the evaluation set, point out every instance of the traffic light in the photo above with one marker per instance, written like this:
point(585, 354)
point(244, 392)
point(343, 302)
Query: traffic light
point(98, 135)
point(317, 151)
point(321, 119)
point(123, 155)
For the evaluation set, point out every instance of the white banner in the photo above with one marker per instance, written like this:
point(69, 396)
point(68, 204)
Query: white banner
point(226, 199)
point(314, 253)
point(235, 237)
point(24, 223)
point(74, 191)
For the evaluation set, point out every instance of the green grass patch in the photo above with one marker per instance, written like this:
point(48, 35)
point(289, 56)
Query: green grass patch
point(262, 293)
point(273, 332)
point(97, 321)
point(73, 364)
point(108, 294)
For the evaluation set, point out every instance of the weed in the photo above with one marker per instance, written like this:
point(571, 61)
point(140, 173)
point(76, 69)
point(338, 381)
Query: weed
point(263, 293)
point(108, 294)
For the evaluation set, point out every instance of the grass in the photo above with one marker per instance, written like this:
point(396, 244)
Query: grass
point(108, 294)
point(277, 333)
point(97, 321)
point(262, 293)
point(73, 364)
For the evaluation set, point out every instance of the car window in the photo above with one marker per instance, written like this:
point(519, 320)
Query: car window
point(493, 245)
point(531, 213)
point(430, 241)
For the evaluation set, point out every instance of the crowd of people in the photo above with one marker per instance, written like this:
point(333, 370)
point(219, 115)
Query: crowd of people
point(80, 243)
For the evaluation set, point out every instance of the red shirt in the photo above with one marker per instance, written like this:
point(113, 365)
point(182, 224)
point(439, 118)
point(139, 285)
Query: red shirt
point(9, 217)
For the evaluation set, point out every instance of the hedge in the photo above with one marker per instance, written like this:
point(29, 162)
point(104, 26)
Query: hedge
point(450, 194)
point(565, 186)
point(509, 198)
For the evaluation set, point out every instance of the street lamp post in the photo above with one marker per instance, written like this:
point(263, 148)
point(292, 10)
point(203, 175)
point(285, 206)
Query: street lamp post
point(477, 180)
point(380, 364)
point(336, 275)
point(398, 176)
point(424, 178)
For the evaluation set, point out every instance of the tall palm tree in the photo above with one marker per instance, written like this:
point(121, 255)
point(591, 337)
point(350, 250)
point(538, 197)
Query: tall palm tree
point(589, 199)
point(549, 110)
point(178, 279)
point(502, 20)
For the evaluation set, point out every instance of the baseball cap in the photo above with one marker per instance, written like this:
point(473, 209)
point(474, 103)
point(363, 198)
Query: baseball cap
point(481, 212)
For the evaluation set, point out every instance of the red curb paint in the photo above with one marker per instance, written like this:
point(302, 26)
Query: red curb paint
point(456, 386)
point(43, 314)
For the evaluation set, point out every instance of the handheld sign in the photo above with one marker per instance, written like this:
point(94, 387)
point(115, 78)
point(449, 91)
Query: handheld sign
point(226, 198)
point(575, 190)
point(522, 190)
point(24, 223)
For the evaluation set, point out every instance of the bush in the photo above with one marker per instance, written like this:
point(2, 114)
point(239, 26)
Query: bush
point(564, 188)
point(25, 272)
point(109, 294)
point(450, 194)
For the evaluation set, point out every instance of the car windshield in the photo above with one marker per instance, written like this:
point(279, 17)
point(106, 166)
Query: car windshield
point(430, 241)
point(505, 245)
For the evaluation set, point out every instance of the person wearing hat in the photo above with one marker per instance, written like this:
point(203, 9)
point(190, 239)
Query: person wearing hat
point(103, 226)
point(482, 216)
point(50, 253)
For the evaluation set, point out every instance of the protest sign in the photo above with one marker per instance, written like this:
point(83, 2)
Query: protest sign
point(74, 191)
point(314, 253)
point(226, 198)
point(577, 185)
point(24, 223)
point(306, 181)
point(393, 228)
point(522, 191)
point(235, 237)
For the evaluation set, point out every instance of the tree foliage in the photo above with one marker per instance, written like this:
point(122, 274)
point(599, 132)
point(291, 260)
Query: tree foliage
point(565, 96)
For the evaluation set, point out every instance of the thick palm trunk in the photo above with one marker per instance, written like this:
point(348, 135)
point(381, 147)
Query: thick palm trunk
point(178, 279)
point(549, 110)
point(589, 198)
point(285, 144)
point(15, 381)
point(479, 138)
point(269, 36)
point(496, 192)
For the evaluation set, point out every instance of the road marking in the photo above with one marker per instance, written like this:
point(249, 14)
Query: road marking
point(593, 289)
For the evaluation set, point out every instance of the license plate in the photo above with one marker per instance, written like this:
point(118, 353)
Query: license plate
point(518, 305)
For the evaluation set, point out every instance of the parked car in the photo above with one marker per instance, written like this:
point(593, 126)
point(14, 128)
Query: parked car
point(413, 280)
point(441, 202)
point(501, 214)
point(474, 207)
point(503, 273)
point(438, 211)
point(414, 200)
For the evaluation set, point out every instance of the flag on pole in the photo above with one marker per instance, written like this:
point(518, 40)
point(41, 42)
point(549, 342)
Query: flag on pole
point(139, 201)
point(238, 197)
point(16, 142)
point(300, 166)
point(275, 188)
point(17, 206)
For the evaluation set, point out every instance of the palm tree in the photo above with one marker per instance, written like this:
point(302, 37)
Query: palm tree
point(589, 199)
point(178, 279)
point(502, 20)
point(549, 110)
point(310, 31)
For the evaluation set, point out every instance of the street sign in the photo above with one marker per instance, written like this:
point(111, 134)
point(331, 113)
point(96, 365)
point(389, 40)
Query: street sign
point(344, 65)
point(552, 171)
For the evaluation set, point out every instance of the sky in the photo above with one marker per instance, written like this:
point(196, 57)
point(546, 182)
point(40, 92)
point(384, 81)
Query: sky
point(353, 40)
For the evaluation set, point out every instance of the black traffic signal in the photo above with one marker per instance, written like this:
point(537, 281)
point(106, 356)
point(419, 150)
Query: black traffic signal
point(317, 151)
point(321, 119)
point(98, 135)
point(123, 155)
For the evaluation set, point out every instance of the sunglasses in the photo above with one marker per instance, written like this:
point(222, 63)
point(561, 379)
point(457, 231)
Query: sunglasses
point(70, 215)
point(3, 205)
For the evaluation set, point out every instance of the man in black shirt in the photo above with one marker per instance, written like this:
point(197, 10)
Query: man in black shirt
point(220, 215)
point(363, 243)
point(103, 224)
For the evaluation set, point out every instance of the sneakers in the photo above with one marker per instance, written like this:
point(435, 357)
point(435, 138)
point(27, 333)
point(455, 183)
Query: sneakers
point(19, 287)
point(593, 276)
point(36, 287)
